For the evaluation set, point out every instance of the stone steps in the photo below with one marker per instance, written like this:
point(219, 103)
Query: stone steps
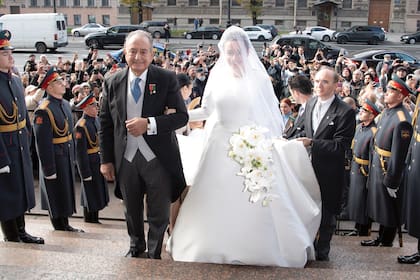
point(98, 254)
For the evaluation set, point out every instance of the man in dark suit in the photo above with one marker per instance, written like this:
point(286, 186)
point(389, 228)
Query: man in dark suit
point(16, 178)
point(141, 110)
point(329, 129)
point(300, 88)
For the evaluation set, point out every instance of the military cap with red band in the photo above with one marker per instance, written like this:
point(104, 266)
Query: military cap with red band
point(50, 76)
point(5, 36)
point(86, 101)
point(371, 107)
point(399, 85)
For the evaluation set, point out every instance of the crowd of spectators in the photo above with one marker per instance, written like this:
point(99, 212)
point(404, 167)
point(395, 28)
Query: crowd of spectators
point(357, 81)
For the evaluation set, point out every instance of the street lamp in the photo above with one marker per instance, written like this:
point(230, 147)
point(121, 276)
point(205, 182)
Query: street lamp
point(229, 23)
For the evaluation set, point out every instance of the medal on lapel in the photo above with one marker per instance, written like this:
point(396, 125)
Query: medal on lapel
point(152, 89)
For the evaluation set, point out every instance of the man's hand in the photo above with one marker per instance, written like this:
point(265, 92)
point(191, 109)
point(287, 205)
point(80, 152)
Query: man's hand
point(392, 192)
point(305, 140)
point(136, 126)
point(107, 169)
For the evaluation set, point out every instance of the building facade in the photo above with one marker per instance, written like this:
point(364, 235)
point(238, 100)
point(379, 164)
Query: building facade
point(286, 15)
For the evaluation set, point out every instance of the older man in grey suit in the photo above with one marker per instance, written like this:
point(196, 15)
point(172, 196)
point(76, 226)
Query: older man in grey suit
point(141, 109)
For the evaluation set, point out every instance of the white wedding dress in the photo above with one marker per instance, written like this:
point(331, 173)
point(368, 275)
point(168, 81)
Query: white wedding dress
point(217, 223)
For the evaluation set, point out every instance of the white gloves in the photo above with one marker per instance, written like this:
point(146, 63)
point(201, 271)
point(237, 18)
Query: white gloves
point(5, 169)
point(54, 176)
point(392, 192)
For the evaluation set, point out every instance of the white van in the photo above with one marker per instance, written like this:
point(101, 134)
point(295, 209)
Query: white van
point(43, 31)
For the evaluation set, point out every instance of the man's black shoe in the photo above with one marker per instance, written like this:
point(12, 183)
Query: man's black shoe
point(27, 238)
point(411, 259)
point(352, 233)
point(322, 258)
point(371, 243)
point(135, 253)
point(132, 253)
point(375, 243)
point(72, 229)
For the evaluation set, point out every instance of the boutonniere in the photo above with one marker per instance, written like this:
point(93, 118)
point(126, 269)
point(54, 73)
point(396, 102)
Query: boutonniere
point(152, 89)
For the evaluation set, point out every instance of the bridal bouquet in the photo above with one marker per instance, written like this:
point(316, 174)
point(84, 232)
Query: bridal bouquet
point(251, 149)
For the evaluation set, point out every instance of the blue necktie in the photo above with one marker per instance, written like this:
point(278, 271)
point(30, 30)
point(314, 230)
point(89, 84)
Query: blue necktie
point(135, 89)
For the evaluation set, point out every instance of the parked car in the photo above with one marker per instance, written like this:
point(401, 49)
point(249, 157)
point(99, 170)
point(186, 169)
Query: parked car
point(361, 33)
point(310, 44)
point(373, 57)
point(205, 32)
point(87, 29)
point(318, 32)
point(154, 27)
point(257, 33)
point(114, 35)
point(273, 30)
point(411, 38)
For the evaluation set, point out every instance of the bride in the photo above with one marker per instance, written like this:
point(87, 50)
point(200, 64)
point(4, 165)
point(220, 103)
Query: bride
point(218, 221)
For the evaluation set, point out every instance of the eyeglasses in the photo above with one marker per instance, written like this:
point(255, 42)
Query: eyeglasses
point(410, 77)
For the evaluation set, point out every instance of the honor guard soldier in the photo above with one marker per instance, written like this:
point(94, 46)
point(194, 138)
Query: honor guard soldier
point(16, 178)
point(53, 125)
point(411, 209)
point(390, 146)
point(94, 195)
point(361, 147)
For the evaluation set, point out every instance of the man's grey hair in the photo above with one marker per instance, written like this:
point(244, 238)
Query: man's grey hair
point(139, 33)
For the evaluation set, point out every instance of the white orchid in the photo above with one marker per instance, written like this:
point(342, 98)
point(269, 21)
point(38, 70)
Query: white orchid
point(253, 151)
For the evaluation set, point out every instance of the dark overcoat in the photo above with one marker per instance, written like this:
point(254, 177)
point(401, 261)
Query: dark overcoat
point(16, 187)
point(411, 204)
point(94, 194)
point(359, 173)
point(390, 146)
point(53, 124)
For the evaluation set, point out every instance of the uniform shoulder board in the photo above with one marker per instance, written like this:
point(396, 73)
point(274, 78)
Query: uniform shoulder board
point(81, 122)
point(401, 116)
point(378, 117)
point(44, 104)
point(374, 129)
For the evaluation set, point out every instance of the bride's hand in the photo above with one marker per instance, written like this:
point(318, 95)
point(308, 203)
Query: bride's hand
point(306, 141)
